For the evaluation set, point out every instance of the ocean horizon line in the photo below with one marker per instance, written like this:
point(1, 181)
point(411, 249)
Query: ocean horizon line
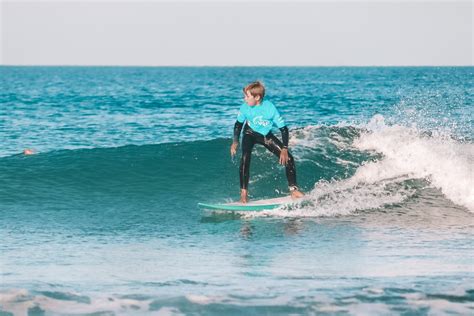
point(243, 66)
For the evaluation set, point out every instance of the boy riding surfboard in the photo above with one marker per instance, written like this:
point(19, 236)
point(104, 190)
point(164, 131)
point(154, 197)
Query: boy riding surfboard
point(256, 117)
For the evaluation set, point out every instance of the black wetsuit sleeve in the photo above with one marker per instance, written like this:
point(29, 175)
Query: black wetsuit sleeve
point(237, 129)
point(285, 135)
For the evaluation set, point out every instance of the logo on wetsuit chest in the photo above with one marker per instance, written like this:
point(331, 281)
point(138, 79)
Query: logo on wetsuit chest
point(260, 121)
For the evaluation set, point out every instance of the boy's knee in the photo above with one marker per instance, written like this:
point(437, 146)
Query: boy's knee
point(244, 159)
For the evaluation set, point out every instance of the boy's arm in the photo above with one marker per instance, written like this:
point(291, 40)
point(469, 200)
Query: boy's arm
point(280, 123)
point(239, 123)
point(285, 135)
point(237, 129)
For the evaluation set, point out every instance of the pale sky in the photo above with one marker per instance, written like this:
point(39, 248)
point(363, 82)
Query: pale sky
point(236, 33)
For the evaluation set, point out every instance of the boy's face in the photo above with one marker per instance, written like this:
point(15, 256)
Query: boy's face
point(250, 99)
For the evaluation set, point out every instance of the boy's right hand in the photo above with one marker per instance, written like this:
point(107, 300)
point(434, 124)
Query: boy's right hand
point(233, 148)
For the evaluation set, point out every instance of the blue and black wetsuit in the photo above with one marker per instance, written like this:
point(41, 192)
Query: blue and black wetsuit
point(259, 121)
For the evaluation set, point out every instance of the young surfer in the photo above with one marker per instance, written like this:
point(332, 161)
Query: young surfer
point(260, 115)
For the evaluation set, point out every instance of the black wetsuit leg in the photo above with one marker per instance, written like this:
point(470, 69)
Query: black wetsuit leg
point(248, 142)
point(273, 144)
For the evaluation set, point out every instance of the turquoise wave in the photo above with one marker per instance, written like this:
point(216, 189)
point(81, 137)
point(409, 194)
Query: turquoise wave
point(186, 171)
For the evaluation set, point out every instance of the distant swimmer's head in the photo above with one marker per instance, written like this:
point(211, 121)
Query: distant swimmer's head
point(254, 93)
point(28, 151)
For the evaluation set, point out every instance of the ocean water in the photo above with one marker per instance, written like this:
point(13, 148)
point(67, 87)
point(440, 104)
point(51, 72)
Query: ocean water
point(103, 219)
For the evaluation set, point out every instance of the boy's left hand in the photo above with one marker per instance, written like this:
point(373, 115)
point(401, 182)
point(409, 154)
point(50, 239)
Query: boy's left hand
point(233, 148)
point(284, 156)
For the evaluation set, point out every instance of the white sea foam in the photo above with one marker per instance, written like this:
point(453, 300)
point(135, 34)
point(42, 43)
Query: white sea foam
point(447, 164)
point(19, 301)
point(344, 197)
point(407, 153)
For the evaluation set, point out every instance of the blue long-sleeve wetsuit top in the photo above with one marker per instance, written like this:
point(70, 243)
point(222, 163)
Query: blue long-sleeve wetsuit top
point(260, 117)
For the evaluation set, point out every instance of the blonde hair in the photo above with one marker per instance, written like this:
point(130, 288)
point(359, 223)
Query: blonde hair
point(255, 88)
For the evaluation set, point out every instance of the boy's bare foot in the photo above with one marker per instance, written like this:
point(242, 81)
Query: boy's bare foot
point(243, 196)
point(295, 193)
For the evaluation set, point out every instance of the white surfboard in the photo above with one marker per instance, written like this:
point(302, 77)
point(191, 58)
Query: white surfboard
point(259, 205)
